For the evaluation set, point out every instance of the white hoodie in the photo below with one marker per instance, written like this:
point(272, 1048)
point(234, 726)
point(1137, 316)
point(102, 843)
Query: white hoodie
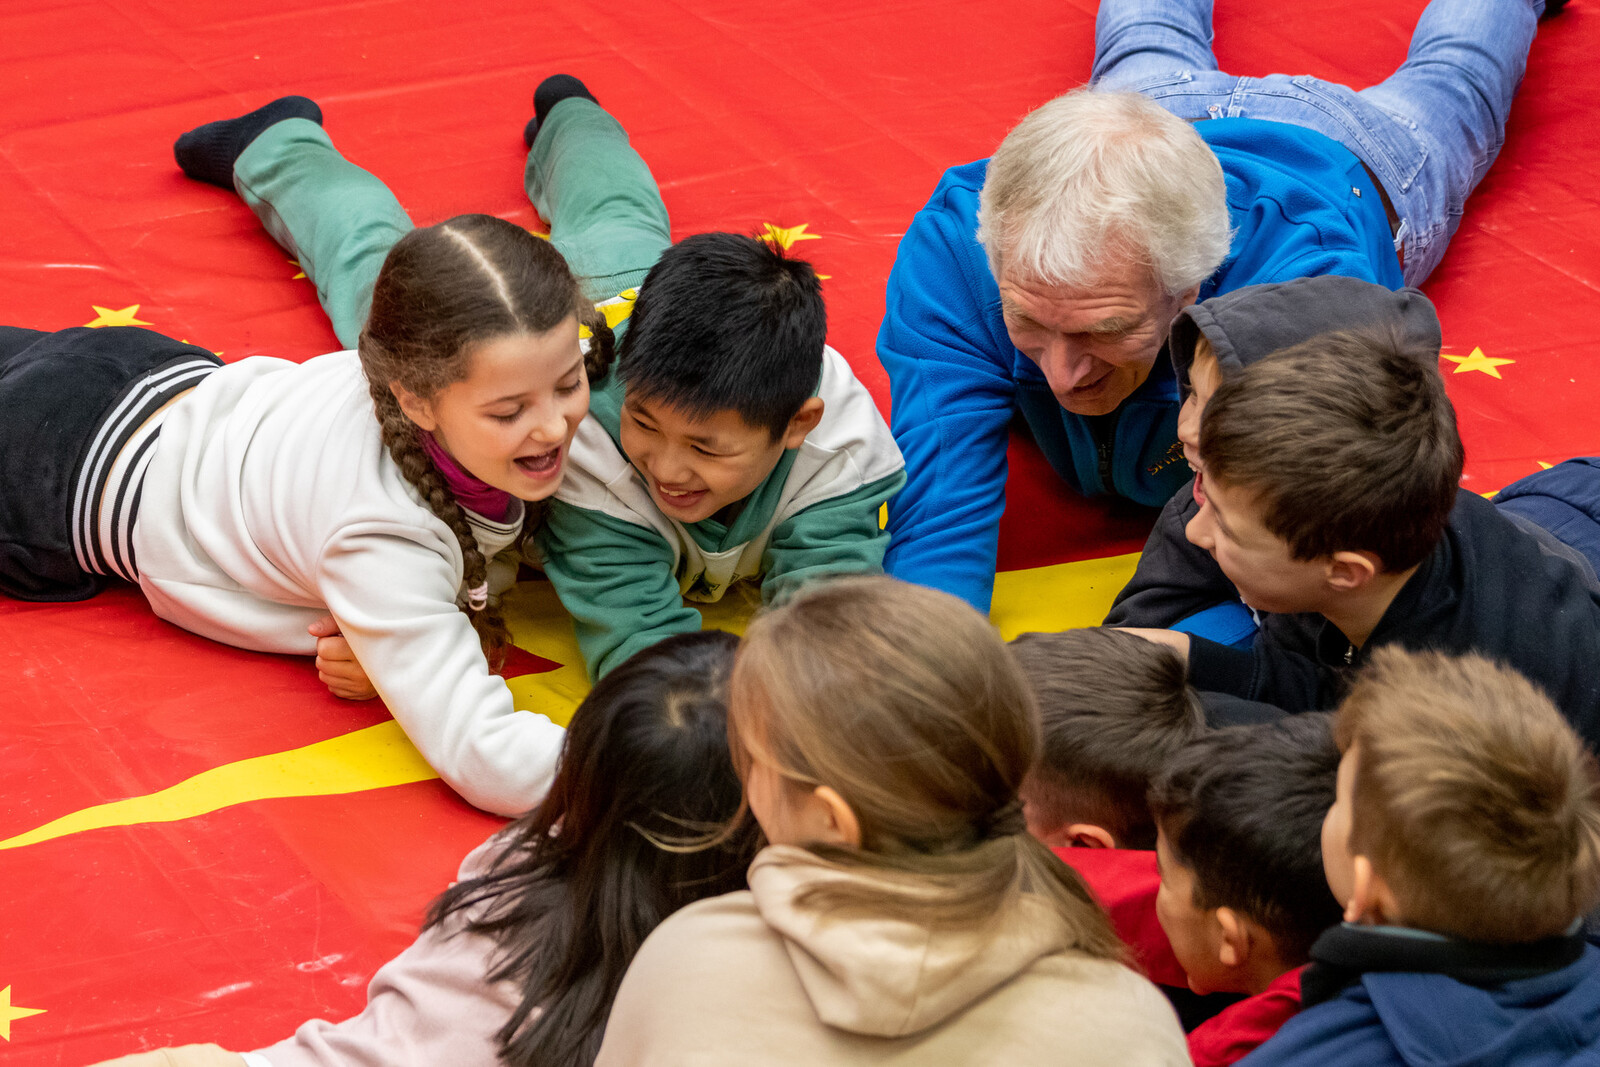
point(750, 978)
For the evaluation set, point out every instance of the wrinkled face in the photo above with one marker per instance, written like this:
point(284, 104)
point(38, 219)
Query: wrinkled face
point(510, 420)
point(1257, 561)
point(1095, 344)
point(696, 466)
point(1204, 377)
point(1194, 932)
point(1338, 866)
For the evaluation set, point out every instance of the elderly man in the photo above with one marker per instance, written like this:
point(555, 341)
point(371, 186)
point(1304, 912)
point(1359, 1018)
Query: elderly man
point(1043, 280)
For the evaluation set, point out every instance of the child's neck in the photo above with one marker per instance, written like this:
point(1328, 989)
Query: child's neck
point(1358, 613)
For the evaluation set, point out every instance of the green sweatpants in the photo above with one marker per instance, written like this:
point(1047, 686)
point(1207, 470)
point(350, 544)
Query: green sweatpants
point(339, 221)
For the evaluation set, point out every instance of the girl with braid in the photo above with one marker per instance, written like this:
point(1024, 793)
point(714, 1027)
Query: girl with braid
point(251, 501)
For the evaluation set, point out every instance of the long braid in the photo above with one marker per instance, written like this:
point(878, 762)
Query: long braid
point(444, 289)
point(400, 438)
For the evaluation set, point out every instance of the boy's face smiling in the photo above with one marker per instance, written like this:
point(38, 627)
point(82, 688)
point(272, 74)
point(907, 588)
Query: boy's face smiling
point(1257, 561)
point(697, 465)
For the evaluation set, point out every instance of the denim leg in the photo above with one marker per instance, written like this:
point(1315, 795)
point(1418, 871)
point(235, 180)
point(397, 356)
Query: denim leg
point(1138, 41)
point(603, 206)
point(1454, 92)
point(335, 218)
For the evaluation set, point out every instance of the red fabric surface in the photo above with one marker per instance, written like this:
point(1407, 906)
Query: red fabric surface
point(1125, 881)
point(236, 926)
point(1234, 1032)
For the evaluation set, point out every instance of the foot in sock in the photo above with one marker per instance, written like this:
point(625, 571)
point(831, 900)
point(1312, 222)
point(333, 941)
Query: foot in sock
point(551, 92)
point(208, 152)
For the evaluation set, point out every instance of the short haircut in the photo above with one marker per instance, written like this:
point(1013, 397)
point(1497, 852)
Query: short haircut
point(726, 322)
point(1243, 808)
point(1472, 797)
point(1092, 173)
point(1113, 709)
point(1347, 441)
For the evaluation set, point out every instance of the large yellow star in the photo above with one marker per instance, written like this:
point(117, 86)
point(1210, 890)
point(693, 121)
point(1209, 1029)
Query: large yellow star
point(8, 1014)
point(117, 317)
point(1478, 361)
point(785, 237)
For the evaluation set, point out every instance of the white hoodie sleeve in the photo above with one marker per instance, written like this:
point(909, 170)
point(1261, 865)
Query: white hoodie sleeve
point(392, 591)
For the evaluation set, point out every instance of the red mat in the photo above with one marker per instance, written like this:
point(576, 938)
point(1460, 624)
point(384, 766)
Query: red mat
point(237, 925)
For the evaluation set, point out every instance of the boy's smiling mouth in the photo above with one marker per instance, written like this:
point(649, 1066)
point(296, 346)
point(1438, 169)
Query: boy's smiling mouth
point(679, 499)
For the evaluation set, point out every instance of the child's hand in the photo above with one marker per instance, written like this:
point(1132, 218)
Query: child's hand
point(336, 664)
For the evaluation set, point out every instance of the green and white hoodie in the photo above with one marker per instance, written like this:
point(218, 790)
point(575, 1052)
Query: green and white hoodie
point(623, 568)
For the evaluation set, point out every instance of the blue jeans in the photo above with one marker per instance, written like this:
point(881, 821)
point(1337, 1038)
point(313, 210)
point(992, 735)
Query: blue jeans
point(1428, 132)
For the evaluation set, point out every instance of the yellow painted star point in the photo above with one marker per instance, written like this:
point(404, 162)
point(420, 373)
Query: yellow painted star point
point(9, 1015)
point(1476, 360)
point(1543, 465)
point(116, 316)
point(785, 236)
point(296, 263)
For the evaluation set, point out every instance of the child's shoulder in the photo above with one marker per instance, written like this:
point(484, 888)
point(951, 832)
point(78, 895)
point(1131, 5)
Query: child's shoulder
point(851, 424)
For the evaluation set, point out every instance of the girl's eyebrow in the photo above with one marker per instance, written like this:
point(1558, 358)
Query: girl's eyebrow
point(512, 398)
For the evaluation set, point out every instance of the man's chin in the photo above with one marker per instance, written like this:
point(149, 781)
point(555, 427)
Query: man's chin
point(1102, 398)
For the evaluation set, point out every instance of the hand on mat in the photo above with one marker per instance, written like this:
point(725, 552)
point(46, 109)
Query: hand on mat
point(336, 664)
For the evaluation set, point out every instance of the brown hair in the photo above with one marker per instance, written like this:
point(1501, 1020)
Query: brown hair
point(1472, 797)
point(905, 702)
point(443, 291)
point(1113, 708)
point(1347, 440)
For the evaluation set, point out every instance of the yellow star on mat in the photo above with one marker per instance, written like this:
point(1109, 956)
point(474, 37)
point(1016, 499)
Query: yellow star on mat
point(117, 317)
point(1543, 465)
point(295, 263)
point(1478, 361)
point(8, 1014)
point(785, 237)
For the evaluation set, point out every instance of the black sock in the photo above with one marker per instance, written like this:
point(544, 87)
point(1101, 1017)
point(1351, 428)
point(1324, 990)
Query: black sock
point(208, 152)
point(551, 92)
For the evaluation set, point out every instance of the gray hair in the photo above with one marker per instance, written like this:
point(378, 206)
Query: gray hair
point(1092, 172)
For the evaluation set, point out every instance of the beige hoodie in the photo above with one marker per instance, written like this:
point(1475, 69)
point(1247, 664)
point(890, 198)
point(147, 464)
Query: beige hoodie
point(749, 978)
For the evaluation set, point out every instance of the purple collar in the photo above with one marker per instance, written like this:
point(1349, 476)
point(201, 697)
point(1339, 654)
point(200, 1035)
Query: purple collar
point(470, 492)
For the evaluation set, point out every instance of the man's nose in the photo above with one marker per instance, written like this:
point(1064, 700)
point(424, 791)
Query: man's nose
point(1066, 363)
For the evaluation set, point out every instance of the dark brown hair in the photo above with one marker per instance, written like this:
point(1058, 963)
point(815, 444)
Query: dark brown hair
point(627, 835)
point(1472, 797)
point(1113, 708)
point(1242, 807)
point(1347, 441)
point(443, 291)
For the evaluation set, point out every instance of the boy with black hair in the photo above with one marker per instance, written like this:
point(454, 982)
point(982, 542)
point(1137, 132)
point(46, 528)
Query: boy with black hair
point(1239, 813)
point(1329, 488)
point(733, 444)
point(1113, 709)
point(1465, 845)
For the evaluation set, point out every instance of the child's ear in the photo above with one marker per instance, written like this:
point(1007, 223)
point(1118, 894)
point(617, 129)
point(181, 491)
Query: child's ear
point(1088, 835)
point(837, 821)
point(805, 420)
point(1350, 571)
point(415, 408)
point(1233, 949)
point(1371, 899)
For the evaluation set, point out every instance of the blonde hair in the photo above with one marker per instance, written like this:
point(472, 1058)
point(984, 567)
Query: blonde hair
point(905, 702)
point(1472, 797)
point(1092, 173)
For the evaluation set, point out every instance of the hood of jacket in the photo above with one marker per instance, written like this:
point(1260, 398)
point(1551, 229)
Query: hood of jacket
point(1245, 325)
point(1435, 1021)
point(885, 976)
